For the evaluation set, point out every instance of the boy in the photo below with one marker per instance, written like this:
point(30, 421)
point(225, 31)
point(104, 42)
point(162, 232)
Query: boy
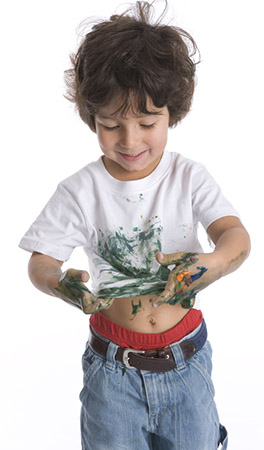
point(147, 364)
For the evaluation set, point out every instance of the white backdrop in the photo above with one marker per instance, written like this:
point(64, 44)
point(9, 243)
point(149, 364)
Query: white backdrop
point(42, 338)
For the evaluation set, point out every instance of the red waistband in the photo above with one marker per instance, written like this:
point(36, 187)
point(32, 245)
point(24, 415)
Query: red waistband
point(132, 339)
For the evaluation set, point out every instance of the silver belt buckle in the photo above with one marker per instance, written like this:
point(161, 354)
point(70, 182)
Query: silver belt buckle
point(126, 357)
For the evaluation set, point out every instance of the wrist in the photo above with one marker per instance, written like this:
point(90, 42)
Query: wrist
point(52, 284)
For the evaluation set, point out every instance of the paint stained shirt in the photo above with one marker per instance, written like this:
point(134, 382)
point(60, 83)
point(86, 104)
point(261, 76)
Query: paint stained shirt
point(123, 224)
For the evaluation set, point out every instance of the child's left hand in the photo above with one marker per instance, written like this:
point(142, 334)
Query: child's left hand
point(192, 273)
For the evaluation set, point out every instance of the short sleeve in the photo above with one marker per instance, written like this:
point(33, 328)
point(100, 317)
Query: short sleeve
point(209, 204)
point(59, 228)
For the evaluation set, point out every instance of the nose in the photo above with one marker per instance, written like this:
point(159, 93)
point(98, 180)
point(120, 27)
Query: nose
point(129, 138)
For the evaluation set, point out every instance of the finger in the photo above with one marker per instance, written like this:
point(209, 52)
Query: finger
point(78, 275)
point(157, 303)
point(160, 257)
point(92, 304)
point(170, 288)
point(106, 302)
point(164, 297)
point(169, 291)
point(168, 259)
point(84, 276)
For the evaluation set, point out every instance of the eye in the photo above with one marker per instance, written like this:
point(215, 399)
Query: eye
point(110, 128)
point(148, 126)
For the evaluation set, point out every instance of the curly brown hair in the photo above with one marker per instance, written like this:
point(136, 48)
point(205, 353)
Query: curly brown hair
point(129, 57)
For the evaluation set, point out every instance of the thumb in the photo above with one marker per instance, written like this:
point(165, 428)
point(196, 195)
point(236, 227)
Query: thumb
point(84, 276)
point(161, 258)
point(168, 259)
point(80, 275)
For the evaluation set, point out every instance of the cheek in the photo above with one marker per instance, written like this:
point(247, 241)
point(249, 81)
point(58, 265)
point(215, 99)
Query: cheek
point(105, 141)
point(159, 139)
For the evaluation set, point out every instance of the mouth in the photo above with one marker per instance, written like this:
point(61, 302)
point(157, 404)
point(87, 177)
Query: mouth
point(133, 157)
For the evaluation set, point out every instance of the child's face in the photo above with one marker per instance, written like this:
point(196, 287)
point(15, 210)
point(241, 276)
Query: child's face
point(132, 145)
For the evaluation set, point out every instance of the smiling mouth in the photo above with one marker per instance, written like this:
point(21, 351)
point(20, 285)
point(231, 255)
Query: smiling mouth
point(133, 157)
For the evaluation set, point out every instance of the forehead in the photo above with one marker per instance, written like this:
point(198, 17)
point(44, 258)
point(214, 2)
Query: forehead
point(119, 108)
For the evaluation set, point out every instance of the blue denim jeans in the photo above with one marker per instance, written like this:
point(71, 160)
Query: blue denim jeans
point(141, 410)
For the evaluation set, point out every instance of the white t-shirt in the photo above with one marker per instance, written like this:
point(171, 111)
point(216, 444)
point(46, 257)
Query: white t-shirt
point(123, 224)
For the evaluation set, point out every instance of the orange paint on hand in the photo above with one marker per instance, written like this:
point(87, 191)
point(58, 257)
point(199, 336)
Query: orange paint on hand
point(184, 273)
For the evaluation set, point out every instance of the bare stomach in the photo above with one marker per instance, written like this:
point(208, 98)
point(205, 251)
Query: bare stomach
point(137, 314)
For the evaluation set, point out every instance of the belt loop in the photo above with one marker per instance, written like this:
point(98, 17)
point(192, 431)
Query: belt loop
point(178, 356)
point(110, 355)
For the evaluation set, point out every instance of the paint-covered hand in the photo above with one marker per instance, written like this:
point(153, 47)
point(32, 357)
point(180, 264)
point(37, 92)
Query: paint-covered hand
point(186, 278)
point(71, 288)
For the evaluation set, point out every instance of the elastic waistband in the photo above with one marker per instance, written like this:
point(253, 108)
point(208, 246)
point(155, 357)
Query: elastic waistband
point(132, 339)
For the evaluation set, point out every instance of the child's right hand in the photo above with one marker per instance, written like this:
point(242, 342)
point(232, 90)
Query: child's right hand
point(71, 288)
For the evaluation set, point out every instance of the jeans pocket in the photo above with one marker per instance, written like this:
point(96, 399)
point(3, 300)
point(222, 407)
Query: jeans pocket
point(89, 360)
point(202, 362)
point(90, 363)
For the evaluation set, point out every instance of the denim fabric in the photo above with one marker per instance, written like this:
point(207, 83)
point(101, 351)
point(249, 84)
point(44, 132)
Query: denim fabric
point(143, 410)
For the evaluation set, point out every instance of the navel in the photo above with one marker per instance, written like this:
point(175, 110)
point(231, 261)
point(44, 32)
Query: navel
point(151, 320)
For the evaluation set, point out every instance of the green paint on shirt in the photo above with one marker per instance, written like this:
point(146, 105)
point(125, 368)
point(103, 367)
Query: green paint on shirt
point(128, 261)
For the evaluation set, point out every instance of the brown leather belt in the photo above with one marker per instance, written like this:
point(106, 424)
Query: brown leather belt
point(158, 360)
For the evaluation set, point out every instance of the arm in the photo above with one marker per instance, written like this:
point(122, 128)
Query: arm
point(194, 272)
point(44, 272)
point(232, 243)
point(46, 275)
